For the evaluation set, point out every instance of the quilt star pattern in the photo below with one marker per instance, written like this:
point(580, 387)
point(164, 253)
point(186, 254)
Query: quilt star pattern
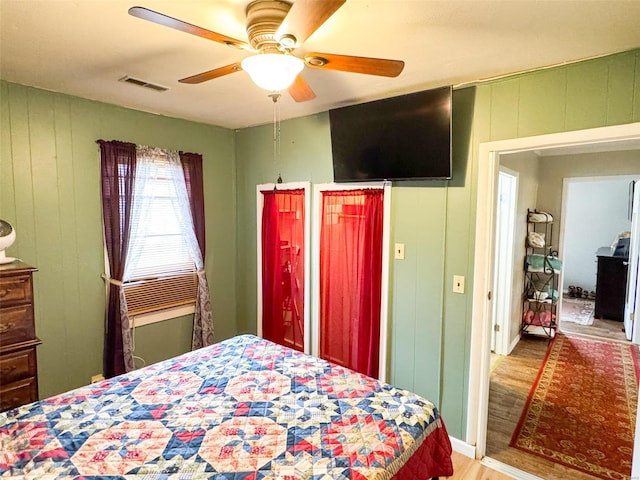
point(242, 409)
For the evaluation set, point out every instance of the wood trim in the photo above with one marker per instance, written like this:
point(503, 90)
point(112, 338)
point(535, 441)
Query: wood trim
point(19, 346)
point(488, 153)
point(462, 447)
point(16, 267)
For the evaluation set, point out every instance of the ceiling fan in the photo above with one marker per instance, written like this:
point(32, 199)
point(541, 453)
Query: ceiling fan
point(275, 29)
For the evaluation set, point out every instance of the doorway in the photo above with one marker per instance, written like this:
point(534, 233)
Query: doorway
point(595, 212)
point(483, 276)
point(632, 303)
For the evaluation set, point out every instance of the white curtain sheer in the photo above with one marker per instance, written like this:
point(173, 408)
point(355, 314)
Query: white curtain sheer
point(152, 165)
point(203, 317)
point(148, 165)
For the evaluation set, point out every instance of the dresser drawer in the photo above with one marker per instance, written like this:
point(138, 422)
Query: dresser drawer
point(17, 366)
point(16, 324)
point(18, 393)
point(16, 289)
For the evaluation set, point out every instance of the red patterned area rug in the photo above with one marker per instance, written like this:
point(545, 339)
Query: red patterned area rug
point(581, 411)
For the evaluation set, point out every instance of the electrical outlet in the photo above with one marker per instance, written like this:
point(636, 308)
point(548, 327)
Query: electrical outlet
point(458, 284)
point(97, 378)
point(399, 251)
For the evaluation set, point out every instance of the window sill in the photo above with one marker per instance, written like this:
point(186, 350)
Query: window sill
point(168, 314)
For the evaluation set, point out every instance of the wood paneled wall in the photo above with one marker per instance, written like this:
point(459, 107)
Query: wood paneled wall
point(50, 192)
point(430, 326)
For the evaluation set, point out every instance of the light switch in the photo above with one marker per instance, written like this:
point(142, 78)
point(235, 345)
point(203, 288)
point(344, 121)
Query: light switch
point(458, 284)
point(399, 251)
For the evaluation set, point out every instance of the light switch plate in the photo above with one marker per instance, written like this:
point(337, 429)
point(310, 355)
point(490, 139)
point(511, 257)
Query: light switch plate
point(458, 284)
point(399, 251)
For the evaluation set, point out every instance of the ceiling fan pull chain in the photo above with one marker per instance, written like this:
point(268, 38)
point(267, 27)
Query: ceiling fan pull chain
point(279, 137)
point(275, 96)
point(275, 132)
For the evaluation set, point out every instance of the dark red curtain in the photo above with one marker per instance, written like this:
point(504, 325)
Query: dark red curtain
point(351, 278)
point(202, 334)
point(118, 166)
point(283, 219)
point(192, 168)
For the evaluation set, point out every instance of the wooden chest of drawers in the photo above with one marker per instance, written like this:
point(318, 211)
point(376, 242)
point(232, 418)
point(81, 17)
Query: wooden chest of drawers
point(611, 287)
point(18, 341)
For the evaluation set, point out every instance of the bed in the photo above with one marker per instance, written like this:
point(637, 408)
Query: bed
point(242, 409)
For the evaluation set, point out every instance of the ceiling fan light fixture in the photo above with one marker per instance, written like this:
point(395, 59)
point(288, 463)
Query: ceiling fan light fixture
point(273, 71)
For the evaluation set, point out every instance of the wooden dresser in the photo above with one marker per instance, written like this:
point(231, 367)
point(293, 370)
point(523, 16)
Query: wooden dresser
point(611, 287)
point(18, 341)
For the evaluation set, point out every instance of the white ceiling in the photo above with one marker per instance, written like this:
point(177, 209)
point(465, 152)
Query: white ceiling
point(83, 47)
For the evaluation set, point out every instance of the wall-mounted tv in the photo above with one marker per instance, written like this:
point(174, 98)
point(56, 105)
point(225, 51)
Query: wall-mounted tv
point(398, 138)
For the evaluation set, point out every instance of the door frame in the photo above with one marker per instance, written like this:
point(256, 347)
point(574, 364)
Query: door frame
point(632, 300)
point(488, 165)
point(504, 266)
point(306, 186)
point(315, 265)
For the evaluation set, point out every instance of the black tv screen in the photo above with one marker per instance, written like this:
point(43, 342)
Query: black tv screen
point(398, 138)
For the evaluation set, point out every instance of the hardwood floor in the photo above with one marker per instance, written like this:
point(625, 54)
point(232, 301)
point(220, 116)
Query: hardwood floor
point(611, 329)
point(511, 381)
point(465, 468)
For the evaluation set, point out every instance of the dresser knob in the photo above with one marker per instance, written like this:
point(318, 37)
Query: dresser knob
point(5, 327)
point(4, 292)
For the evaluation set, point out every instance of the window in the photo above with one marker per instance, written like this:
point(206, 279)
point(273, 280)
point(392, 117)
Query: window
point(152, 206)
point(160, 273)
point(163, 249)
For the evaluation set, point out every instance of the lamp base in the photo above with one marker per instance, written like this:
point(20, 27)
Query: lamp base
point(4, 259)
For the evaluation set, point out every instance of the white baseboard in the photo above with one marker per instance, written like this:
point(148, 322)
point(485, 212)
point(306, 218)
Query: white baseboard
point(463, 447)
point(508, 470)
point(513, 344)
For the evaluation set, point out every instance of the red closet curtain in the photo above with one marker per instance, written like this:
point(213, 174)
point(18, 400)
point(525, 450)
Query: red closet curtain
point(351, 278)
point(283, 219)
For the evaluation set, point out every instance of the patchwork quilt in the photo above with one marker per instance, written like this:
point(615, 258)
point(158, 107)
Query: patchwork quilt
point(242, 409)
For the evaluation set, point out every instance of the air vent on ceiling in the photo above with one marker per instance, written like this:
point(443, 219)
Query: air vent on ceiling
point(142, 83)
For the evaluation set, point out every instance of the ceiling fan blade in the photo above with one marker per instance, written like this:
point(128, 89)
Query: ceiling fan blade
point(300, 90)
point(305, 17)
point(167, 21)
point(211, 74)
point(349, 63)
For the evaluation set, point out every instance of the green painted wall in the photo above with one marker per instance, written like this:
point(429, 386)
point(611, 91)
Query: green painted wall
point(49, 189)
point(430, 325)
point(304, 153)
point(50, 192)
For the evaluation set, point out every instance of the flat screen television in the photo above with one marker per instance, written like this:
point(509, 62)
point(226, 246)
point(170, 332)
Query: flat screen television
point(399, 138)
